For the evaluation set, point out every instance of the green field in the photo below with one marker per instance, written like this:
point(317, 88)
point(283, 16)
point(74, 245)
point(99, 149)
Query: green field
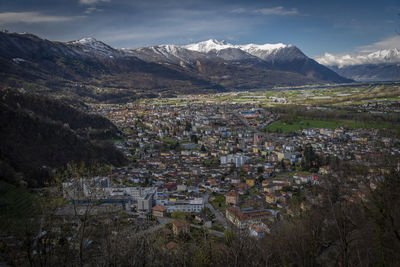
point(302, 123)
point(335, 96)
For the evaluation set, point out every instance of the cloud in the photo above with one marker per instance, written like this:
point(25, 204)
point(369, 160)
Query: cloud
point(191, 27)
point(90, 10)
point(377, 57)
point(385, 51)
point(388, 43)
point(31, 17)
point(278, 11)
point(239, 10)
point(92, 2)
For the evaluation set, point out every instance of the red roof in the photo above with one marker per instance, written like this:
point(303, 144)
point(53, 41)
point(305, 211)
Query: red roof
point(159, 208)
point(250, 215)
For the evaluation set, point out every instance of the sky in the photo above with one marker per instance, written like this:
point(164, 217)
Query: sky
point(316, 27)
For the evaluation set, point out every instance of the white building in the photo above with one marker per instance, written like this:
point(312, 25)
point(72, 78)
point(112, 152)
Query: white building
point(191, 205)
point(238, 159)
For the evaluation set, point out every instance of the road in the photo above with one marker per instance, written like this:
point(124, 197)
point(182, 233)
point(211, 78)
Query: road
point(217, 214)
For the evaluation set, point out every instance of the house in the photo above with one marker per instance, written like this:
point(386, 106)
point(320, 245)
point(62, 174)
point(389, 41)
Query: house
point(270, 198)
point(264, 183)
point(324, 170)
point(242, 187)
point(159, 211)
point(179, 227)
point(250, 182)
point(205, 219)
point(212, 182)
point(302, 178)
point(271, 188)
point(232, 197)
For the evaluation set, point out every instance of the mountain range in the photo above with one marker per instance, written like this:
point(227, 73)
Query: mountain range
point(91, 69)
point(380, 65)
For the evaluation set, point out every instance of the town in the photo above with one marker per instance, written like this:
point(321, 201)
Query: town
point(216, 162)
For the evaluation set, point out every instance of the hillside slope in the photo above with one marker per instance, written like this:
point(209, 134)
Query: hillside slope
point(38, 134)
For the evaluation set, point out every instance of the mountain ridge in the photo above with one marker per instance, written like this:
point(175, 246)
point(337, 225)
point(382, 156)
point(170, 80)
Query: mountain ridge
point(92, 70)
point(379, 65)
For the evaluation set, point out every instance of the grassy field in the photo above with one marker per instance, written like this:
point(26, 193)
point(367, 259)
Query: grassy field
point(359, 93)
point(303, 123)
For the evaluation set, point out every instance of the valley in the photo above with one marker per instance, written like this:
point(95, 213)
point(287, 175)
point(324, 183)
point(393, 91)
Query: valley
point(203, 154)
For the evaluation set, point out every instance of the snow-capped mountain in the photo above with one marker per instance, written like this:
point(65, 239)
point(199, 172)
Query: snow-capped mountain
point(92, 46)
point(377, 65)
point(170, 69)
point(274, 52)
point(266, 52)
point(165, 54)
point(212, 53)
point(377, 57)
point(209, 45)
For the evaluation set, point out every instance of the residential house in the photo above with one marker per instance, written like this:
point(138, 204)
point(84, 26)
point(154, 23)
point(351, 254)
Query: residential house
point(179, 227)
point(232, 197)
point(250, 182)
point(159, 211)
point(271, 198)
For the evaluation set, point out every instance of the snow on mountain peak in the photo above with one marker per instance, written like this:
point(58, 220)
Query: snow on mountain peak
point(250, 47)
point(91, 45)
point(85, 41)
point(212, 44)
point(209, 45)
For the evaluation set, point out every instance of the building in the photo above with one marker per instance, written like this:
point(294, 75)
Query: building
point(205, 219)
point(181, 187)
point(270, 198)
point(232, 197)
point(238, 159)
point(258, 138)
point(243, 218)
point(190, 205)
point(250, 182)
point(241, 187)
point(159, 211)
point(180, 227)
point(302, 178)
point(145, 204)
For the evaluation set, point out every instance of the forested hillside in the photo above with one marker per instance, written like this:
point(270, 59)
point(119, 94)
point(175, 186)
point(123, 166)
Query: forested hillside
point(38, 134)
